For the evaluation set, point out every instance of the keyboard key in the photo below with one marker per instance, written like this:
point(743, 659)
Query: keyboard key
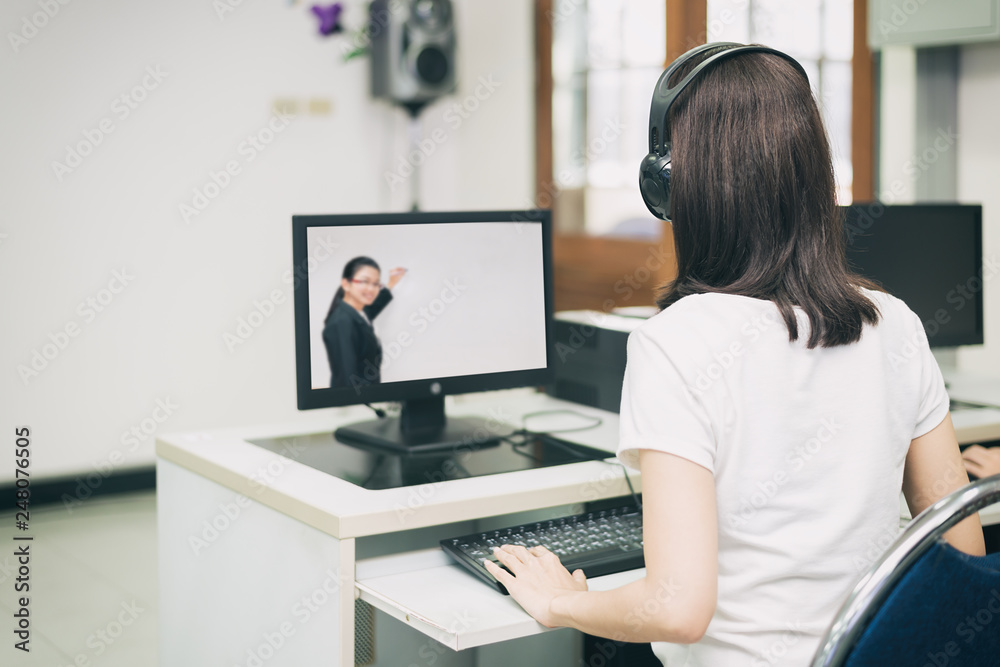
point(597, 542)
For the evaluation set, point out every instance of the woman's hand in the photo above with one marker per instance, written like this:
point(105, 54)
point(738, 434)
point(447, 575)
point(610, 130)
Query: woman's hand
point(538, 579)
point(395, 275)
point(982, 462)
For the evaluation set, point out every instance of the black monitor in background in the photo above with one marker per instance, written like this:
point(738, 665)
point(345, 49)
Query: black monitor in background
point(928, 255)
point(473, 312)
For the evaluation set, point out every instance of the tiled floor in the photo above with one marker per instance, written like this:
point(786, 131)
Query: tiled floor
point(93, 581)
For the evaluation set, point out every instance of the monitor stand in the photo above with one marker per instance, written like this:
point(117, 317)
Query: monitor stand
point(423, 427)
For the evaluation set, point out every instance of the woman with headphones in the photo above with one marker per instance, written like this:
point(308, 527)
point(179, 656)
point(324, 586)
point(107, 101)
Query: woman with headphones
point(352, 348)
point(776, 405)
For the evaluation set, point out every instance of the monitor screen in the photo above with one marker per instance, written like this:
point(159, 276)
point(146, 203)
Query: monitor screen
point(411, 307)
point(928, 255)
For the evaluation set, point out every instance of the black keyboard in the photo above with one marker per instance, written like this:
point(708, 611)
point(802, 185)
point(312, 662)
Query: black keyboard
point(600, 542)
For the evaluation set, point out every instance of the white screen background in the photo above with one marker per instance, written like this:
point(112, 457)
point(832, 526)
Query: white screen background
point(495, 323)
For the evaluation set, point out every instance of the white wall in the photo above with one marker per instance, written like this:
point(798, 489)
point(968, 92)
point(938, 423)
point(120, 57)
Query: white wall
point(978, 177)
point(977, 144)
point(897, 125)
point(156, 350)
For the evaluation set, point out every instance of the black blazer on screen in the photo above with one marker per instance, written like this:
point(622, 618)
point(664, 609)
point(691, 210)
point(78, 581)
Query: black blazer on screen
point(352, 348)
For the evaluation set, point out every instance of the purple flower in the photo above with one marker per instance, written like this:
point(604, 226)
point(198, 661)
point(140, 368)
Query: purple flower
point(329, 18)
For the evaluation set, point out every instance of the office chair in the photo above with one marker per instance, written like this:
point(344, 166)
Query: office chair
point(924, 603)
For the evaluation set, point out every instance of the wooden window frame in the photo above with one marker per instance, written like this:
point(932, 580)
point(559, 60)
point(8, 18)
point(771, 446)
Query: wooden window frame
point(601, 273)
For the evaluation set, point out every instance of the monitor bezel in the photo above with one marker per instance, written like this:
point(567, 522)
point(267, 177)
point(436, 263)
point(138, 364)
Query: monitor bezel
point(309, 398)
point(939, 339)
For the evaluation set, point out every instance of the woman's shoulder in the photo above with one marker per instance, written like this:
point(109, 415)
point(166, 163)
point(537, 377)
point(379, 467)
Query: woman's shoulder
point(702, 324)
point(891, 308)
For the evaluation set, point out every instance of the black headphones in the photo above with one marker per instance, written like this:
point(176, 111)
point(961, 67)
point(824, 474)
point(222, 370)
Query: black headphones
point(654, 171)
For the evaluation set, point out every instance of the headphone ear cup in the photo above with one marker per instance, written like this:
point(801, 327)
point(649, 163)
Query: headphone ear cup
point(654, 184)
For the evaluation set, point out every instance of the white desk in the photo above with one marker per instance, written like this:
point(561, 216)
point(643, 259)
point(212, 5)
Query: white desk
point(980, 424)
point(261, 558)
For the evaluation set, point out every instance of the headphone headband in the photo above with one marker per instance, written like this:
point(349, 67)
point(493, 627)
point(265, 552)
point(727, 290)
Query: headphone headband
point(655, 170)
point(664, 97)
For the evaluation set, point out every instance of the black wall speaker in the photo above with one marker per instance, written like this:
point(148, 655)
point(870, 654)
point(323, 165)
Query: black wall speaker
point(412, 50)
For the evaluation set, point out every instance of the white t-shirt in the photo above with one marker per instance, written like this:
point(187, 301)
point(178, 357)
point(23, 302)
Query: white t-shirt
point(807, 449)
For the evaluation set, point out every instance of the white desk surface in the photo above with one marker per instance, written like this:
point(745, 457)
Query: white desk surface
point(427, 601)
point(974, 425)
point(344, 510)
point(972, 387)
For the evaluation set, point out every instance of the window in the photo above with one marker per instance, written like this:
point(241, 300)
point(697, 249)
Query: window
point(606, 58)
point(817, 33)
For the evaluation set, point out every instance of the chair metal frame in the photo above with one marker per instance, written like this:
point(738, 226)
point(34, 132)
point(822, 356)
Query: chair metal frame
point(871, 591)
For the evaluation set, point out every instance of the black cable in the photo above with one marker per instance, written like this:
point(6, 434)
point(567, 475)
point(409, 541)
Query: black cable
point(528, 435)
point(374, 471)
point(379, 412)
point(514, 448)
point(628, 480)
point(568, 447)
point(545, 436)
point(635, 496)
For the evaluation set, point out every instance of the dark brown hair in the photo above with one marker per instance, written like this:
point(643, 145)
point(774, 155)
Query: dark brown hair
point(753, 201)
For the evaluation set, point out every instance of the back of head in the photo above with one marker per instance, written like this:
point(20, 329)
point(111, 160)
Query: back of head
point(753, 200)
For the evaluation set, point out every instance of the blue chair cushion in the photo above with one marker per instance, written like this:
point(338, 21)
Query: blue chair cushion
point(944, 611)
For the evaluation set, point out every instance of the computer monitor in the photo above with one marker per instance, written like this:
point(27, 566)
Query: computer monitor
point(472, 312)
point(928, 255)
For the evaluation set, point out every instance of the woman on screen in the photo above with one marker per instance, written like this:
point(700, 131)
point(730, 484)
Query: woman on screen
point(776, 405)
point(352, 348)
